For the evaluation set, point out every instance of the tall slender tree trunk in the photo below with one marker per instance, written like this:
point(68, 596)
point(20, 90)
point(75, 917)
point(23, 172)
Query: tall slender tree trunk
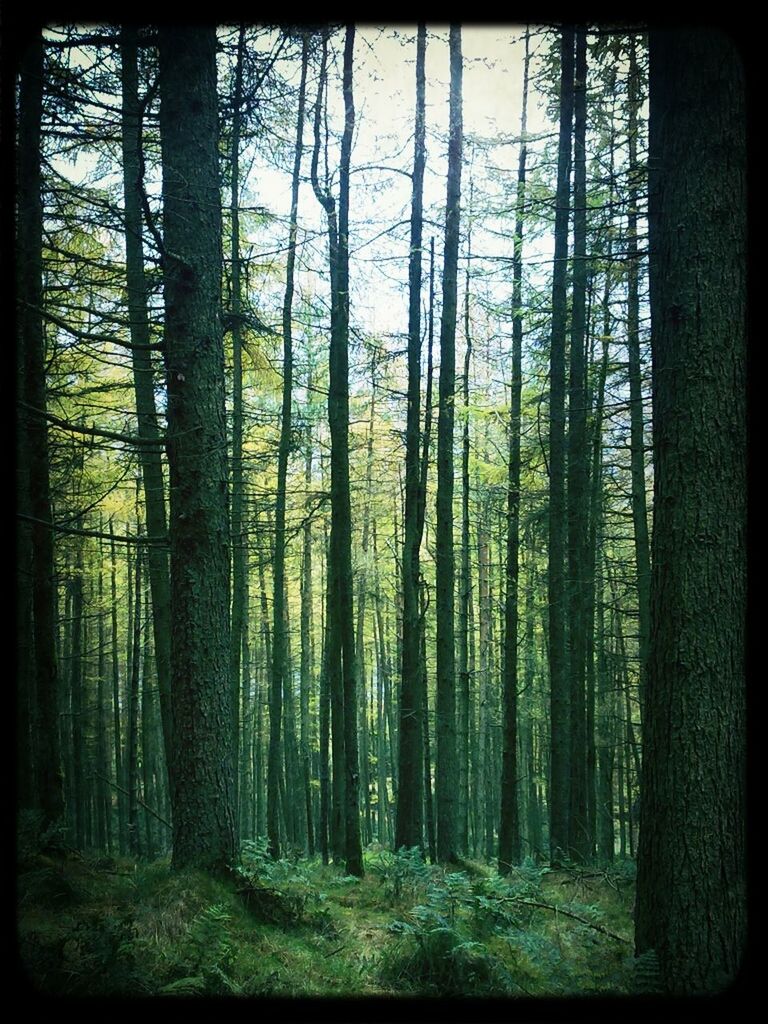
point(692, 834)
point(465, 577)
point(203, 766)
point(76, 707)
point(637, 440)
point(409, 821)
point(580, 847)
point(445, 782)
point(510, 849)
point(560, 697)
point(238, 536)
point(117, 739)
point(32, 344)
point(279, 660)
point(103, 799)
point(150, 454)
point(325, 715)
point(132, 737)
point(306, 647)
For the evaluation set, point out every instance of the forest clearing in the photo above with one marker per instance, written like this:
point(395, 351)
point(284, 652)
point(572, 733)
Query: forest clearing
point(381, 474)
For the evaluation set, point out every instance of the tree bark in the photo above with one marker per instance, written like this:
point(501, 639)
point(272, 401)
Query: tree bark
point(580, 845)
point(32, 344)
point(560, 698)
point(445, 783)
point(409, 821)
point(692, 837)
point(238, 536)
point(637, 432)
point(202, 776)
point(279, 660)
point(149, 453)
point(509, 822)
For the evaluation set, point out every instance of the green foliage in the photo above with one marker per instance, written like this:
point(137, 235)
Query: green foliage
point(34, 838)
point(403, 873)
point(123, 927)
point(434, 959)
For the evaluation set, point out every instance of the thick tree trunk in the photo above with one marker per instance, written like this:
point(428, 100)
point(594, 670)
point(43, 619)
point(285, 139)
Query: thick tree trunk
point(692, 837)
point(445, 782)
point(560, 697)
point(203, 766)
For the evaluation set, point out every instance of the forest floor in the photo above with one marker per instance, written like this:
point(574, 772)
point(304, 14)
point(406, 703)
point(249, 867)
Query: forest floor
point(112, 926)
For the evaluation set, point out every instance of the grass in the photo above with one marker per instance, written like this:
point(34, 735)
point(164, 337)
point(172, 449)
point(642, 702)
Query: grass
point(111, 926)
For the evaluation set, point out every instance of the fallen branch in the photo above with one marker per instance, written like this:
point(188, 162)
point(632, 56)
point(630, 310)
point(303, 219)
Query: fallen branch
point(138, 799)
point(565, 913)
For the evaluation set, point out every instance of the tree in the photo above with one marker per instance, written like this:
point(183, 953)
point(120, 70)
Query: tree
point(560, 703)
point(45, 726)
point(445, 783)
point(202, 775)
point(409, 821)
point(279, 626)
point(143, 373)
point(691, 907)
point(580, 840)
point(509, 824)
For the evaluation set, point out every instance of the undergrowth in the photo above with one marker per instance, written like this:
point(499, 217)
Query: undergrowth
point(114, 926)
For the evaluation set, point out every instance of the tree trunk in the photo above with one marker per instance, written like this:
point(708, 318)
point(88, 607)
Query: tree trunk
point(203, 758)
point(279, 659)
point(238, 535)
point(465, 577)
point(76, 721)
point(444, 560)
point(409, 821)
point(560, 698)
point(580, 847)
point(117, 738)
point(32, 343)
point(132, 738)
point(306, 646)
point(509, 823)
point(692, 835)
point(637, 439)
point(150, 456)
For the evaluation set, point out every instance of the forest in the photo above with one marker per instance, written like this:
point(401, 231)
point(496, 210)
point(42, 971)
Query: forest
point(381, 510)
